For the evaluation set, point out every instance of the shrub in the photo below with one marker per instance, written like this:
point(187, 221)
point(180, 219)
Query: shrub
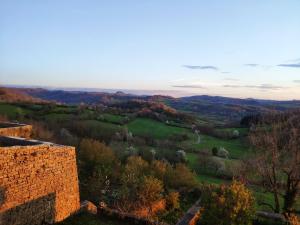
point(41, 132)
point(227, 205)
point(180, 177)
point(292, 219)
point(214, 151)
point(235, 133)
point(139, 195)
point(95, 152)
point(172, 200)
point(158, 169)
point(223, 153)
point(181, 156)
point(149, 191)
point(136, 166)
point(98, 168)
point(210, 164)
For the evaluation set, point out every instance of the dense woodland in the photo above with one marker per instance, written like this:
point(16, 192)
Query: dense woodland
point(147, 157)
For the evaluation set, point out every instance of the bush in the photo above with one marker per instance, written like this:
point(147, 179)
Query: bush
point(135, 168)
point(98, 169)
point(223, 153)
point(180, 177)
point(95, 152)
point(149, 191)
point(181, 156)
point(41, 132)
point(235, 133)
point(210, 165)
point(227, 205)
point(136, 195)
point(214, 151)
point(293, 219)
point(172, 200)
point(158, 169)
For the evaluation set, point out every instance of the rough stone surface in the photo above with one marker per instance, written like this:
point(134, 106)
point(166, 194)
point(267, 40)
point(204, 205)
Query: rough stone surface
point(89, 207)
point(15, 129)
point(38, 183)
point(192, 215)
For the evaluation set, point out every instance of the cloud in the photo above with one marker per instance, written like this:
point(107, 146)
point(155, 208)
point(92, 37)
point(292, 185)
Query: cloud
point(225, 72)
point(231, 79)
point(251, 64)
point(294, 60)
point(296, 81)
point(189, 86)
point(261, 86)
point(200, 67)
point(292, 65)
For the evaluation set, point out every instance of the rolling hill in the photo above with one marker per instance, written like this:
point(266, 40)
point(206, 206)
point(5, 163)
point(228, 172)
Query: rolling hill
point(212, 108)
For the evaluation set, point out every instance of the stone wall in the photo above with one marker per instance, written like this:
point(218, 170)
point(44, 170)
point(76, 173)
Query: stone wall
point(15, 129)
point(192, 216)
point(38, 183)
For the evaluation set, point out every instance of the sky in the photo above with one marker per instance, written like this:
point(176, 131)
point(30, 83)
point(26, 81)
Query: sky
point(235, 48)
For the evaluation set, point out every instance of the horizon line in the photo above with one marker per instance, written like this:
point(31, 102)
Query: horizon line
point(137, 92)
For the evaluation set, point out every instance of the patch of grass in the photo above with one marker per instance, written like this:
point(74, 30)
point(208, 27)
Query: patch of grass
point(155, 129)
point(192, 159)
point(12, 111)
point(242, 130)
point(113, 118)
point(57, 116)
point(95, 129)
point(102, 125)
point(64, 109)
point(203, 178)
point(235, 147)
point(88, 219)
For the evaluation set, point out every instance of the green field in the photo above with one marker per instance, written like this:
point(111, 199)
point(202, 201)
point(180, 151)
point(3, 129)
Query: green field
point(89, 219)
point(112, 118)
point(12, 111)
point(155, 129)
point(236, 148)
point(64, 109)
point(242, 130)
point(101, 126)
point(57, 116)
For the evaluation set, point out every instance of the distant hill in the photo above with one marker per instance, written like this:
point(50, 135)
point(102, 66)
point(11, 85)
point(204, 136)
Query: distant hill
point(230, 109)
point(77, 97)
point(214, 108)
point(16, 95)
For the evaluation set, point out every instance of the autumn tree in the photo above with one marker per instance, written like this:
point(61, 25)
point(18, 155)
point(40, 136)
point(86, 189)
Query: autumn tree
point(138, 188)
point(99, 168)
point(227, 205)
point(277, 158)
point(180, 177)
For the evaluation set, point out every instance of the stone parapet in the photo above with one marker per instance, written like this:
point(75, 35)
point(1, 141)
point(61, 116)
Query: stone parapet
point(38, 182)
point(15, 129)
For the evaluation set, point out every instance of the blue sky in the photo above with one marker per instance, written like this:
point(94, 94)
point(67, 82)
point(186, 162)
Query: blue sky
point(231, 48)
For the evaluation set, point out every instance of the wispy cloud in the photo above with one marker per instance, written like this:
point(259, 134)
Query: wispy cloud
point(192, 67)
point(231, 79)
point(189, 86)
point(261, 86)
point(255, 65)
point(251, 64)
point(291, 65)
point(294, 60)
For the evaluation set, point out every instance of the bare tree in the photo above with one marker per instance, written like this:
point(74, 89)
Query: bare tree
point(277, 157)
